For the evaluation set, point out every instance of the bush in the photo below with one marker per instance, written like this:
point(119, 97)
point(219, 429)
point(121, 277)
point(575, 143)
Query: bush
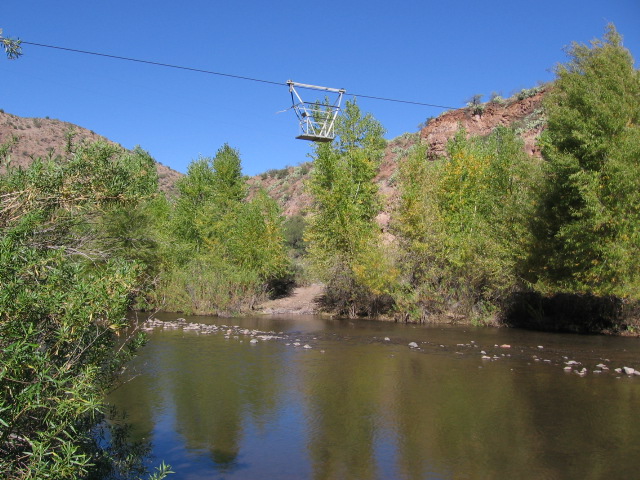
point(208, 285)
point(63, 333)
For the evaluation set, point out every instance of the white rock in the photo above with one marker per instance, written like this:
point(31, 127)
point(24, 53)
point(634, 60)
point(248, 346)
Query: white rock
point(253, 340)
point(387, 339)
point(413, 345)
point(628, 370)
point(307, 346)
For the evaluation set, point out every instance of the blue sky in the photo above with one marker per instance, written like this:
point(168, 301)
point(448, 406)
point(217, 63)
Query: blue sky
point(433, 52)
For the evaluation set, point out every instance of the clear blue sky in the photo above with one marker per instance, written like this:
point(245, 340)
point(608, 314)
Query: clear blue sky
point(433, 52)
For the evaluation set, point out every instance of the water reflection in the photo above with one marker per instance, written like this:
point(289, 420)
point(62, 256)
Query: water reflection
point(357, 407)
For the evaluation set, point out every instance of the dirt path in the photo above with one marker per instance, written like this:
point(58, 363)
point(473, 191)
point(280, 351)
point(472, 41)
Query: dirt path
point(302, 301)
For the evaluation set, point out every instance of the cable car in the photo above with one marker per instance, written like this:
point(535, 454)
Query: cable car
point(316, 119)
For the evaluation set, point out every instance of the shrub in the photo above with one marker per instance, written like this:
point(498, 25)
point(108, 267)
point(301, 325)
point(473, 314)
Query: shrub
point(63, 333)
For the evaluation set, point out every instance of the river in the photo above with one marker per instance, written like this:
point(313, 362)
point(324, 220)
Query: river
point(322, 399)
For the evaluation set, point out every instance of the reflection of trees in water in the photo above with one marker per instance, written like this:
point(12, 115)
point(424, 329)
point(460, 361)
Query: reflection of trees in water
point(130, 453)
point(495, 423)
point(456, 420)
point(450, 421)
point(582, 425)
point(214, 386)
point(139, 391)
point(343, 397)
point(433, 415)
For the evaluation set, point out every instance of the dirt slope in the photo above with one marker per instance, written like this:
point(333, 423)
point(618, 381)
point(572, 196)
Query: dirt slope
point(40, 137)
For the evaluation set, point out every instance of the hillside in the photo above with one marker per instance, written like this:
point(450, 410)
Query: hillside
point(40, 137)
point(523, 112)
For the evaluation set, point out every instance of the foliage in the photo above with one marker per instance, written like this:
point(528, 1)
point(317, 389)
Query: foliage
point(63, 335)
point(528, 92)
point(426, 122)
point(588, 233)
point(496, 97)
point(249, 234)
point(475, 104)
point(294, 227)
point(194, 190)
point(341, 226)
point(462, 225)
point(12, 46)
point(217, 226)
point(207, 284)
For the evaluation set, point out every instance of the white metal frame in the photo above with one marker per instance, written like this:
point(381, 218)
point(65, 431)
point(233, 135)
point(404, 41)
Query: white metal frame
point(317, 120)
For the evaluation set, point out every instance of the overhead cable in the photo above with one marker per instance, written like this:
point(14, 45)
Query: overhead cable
point(210, 72)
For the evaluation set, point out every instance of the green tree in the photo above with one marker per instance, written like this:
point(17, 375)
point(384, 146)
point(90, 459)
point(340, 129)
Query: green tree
point(462, 225)
point(248, 233)
point(194, 190)
point(256, 238)
point(341, 230)
point(215, 185)
point(589, 228)
point(230, 248)
point(63, 333)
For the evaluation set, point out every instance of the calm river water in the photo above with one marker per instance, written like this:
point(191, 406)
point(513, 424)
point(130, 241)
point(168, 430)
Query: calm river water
point(362, 404)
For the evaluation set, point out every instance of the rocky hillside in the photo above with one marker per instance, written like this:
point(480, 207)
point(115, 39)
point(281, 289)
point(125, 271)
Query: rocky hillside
point(523, 112)
point(40, 137)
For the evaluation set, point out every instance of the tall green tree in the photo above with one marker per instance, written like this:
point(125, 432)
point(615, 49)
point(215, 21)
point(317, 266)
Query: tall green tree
point(341, 228)
point(212, 185)
point(231, 247)
point(589, 228)
point(462, 225)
